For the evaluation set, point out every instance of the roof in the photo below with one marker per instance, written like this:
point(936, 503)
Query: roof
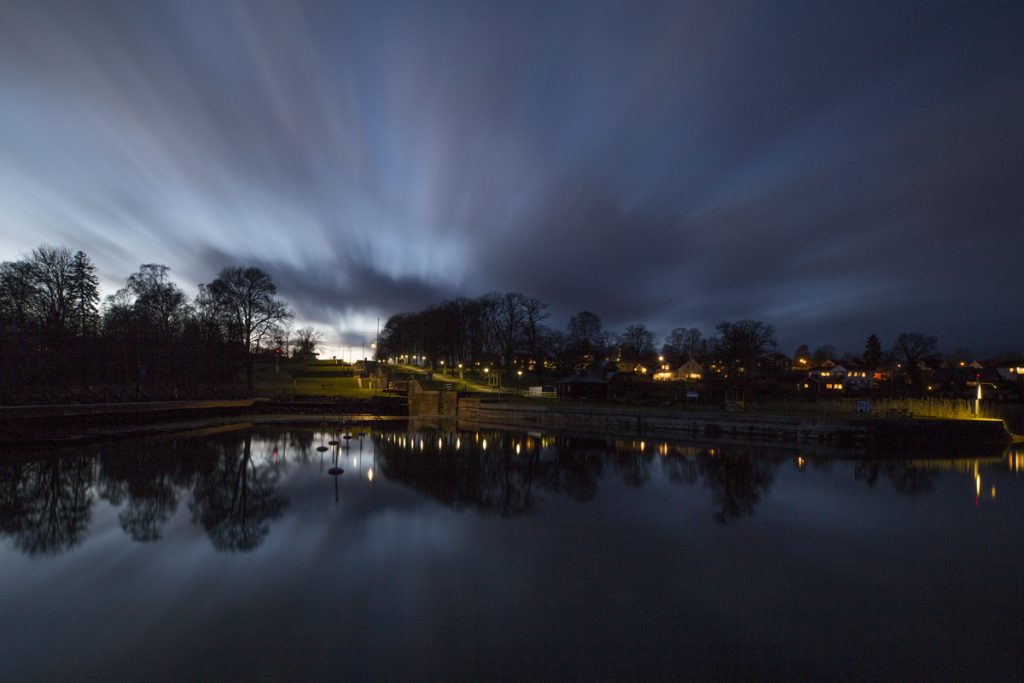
point(582, 378)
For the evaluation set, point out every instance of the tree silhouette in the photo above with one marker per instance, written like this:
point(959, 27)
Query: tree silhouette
point(737, 483)
point(873, 352)
point(911, 348)
point(744, 343)
point(234, 499)
point(146, 485)
point(46, 504)
point(243, 301)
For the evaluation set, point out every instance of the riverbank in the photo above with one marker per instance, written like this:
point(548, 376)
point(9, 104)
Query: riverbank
point(72, 424)
point(878, 434)
point(89, 423)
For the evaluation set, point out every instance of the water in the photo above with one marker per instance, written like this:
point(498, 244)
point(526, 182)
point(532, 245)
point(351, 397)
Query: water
point(490, 556)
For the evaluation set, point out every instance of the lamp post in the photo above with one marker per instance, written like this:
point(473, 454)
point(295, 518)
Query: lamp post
point(977, 401)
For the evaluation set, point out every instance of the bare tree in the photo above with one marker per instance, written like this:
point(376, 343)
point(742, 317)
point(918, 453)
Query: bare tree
point(306, 340)
point(510, 324)
point(744, 343)
point(19, 297)
point(535, 312)
point(243, 302)
point(637, 341)
point(584, 337)
point(53, 272)
point(911, 348)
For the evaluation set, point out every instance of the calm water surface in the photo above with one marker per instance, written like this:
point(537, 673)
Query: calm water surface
point(488, 556)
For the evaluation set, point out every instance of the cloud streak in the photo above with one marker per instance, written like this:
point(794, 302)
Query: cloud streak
point(833, 171)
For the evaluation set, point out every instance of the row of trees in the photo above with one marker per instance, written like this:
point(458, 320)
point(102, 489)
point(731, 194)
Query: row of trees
point(505, 328)
point(149, 333)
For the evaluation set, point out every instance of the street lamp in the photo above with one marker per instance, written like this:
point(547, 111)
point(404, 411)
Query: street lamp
point(977, 401)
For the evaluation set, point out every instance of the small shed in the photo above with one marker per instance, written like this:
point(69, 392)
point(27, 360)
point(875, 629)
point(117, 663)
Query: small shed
point(582, 386)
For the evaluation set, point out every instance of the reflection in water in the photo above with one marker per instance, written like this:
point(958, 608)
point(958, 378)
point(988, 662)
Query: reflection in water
point(234, 500)
point(45, 504)
point(233, 482)
point(906, 477)
point(146, 486)
point(737, 482)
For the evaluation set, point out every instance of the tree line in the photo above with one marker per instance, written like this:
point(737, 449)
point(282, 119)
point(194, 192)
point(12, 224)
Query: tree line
point(509, 329)
point(58, 337)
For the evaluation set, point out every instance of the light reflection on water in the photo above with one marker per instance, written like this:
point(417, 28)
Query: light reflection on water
point(233, 483)
point(600, 540)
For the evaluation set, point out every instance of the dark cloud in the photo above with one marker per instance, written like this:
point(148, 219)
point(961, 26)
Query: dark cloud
point(833, 169)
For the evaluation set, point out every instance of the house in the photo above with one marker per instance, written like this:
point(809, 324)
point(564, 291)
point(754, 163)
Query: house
point(832, 376)
point(829, 376)
point(582, 386)
point(690, 371)
point(1010, 373)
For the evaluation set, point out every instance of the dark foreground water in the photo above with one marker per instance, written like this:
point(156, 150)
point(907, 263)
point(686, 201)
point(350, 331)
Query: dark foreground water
point(504, 556)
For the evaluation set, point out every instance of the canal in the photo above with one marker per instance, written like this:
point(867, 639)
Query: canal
point(275, 554)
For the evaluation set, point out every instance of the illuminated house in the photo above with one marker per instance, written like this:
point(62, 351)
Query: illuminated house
point(835, 377)
point(828, 377)
point(690, 371)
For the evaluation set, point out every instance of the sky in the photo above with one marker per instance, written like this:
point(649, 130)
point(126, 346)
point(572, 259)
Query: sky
point(834, 169)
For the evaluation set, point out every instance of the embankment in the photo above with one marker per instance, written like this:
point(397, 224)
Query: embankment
point(877, 434)
point(80, 423)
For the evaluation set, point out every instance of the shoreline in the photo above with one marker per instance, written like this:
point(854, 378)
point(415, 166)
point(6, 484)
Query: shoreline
point(33, 426)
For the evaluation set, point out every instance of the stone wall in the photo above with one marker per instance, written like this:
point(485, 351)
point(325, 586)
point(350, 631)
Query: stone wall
point(424, 403)
point(880, 433)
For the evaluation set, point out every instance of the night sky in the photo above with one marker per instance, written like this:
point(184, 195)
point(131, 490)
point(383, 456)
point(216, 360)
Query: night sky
point(835, 169)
